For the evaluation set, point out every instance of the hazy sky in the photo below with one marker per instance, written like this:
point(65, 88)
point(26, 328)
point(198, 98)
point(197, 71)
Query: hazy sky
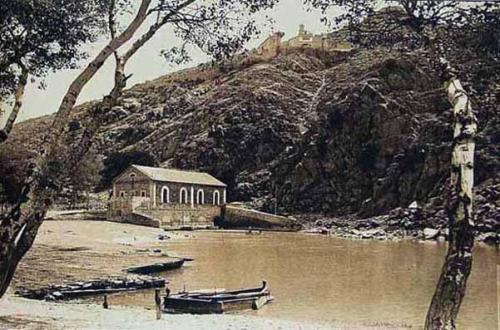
point(147, 63)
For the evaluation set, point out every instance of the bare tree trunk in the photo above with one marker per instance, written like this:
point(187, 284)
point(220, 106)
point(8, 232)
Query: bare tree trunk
point(120, 82)
point(18, 102)
point(75, 88)
point(19, 225)
point(450, 290)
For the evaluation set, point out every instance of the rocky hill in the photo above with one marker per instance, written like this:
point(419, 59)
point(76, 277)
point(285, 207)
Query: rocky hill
point(362, 133)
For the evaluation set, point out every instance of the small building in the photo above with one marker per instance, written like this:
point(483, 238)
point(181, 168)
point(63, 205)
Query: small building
point(166, 198)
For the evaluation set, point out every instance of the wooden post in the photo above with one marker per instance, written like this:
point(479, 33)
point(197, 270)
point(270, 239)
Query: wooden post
point(158, 304)
point(105, 303)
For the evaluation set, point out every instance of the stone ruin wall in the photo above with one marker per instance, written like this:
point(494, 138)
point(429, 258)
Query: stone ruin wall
point(267, 50)
point(274, 45)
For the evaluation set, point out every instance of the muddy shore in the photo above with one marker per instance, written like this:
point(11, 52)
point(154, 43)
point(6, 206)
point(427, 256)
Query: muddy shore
point(69, 251)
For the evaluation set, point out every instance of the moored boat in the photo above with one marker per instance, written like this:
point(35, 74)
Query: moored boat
point(204, 302)
point(157, 267)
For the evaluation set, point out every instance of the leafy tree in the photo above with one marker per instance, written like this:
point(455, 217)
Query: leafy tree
point(85, 178)
point(41, 36)
point(219, 27)
point(13, 172)
point(441, 28)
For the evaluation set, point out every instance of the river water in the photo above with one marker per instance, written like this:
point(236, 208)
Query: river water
point(327, 279)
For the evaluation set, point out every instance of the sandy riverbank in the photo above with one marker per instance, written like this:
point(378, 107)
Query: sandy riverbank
point(19, 313)
point(66, 251)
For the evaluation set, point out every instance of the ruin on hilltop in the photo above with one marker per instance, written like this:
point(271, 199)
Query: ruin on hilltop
point(274, 45)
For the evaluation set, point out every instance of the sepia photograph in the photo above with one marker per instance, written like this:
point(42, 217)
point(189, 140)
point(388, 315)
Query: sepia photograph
point(250, 164)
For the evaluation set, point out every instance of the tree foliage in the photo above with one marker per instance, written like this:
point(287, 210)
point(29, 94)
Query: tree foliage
point(13, 172)
point(84, 179)
point(44, 35)
point(219, 28)
point(409, 24)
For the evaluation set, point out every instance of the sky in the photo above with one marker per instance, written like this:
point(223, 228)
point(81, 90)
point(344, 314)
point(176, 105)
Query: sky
point(147, 64)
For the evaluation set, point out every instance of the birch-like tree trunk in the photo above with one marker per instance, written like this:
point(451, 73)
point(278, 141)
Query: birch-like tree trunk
point(120, 82)
point(19, 226)
point(450, 290)
point(97, 112)
point(18, 102)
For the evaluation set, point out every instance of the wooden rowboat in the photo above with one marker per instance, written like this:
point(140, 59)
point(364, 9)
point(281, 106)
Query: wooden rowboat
point(200, 302)
point(157, 267)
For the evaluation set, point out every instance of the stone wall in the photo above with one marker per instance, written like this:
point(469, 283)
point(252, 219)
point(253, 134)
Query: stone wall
point(274, 46)
point(83, 214)
point(270, 48)
point(241, 217)
point(126, 205)
point(179, 216)
point(137, 218)
point(138, 211)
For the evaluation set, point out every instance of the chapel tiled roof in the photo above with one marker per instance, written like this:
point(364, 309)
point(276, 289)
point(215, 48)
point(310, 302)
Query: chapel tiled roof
point(179, 176)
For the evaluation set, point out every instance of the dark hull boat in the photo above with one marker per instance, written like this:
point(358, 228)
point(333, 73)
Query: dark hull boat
point(217, 303)
point(157, 267)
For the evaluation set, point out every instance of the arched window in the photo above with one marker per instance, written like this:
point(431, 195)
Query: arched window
point(132, 179)
point(165, 194)
point(200, 197)
point(183, 196)
point(216, 199)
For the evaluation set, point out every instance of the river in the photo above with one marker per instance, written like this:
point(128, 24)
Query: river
point(327, 279)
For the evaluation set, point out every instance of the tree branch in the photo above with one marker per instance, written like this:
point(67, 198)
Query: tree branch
point(153, 29)
point(18, 102)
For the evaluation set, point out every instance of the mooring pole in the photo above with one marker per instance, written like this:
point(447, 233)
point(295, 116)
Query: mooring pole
point(158, 304)
point(105, 303)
